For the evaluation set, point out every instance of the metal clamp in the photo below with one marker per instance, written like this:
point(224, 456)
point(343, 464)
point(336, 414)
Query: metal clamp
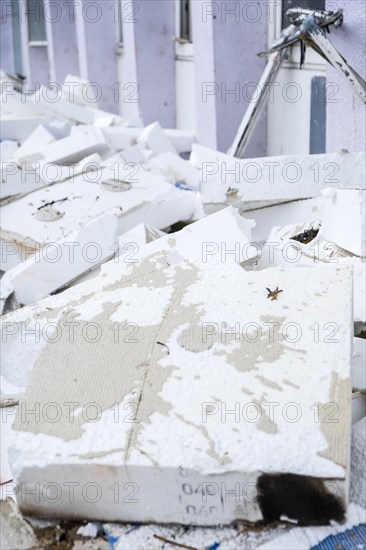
point(307, 28)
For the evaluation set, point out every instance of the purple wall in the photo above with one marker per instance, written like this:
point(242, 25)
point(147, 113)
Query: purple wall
point(38, 67)
point(6, 37)
point(149, 49)
point(98, 18)
point(227, 36)
point(62, 39)
point(346, 121)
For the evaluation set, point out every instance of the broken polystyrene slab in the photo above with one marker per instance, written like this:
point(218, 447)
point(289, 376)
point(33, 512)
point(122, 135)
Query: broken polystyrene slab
point(80, 201)
point(32, 148)
point(224, 235)
point(51, 102)
point(72, 149)
point(175, 169)
point(89, 530)
point(280, 249)
point(126, 247)
point(345, 219)
point(15, 532)
point(122, 137)
point(79, 91)
point(358, 461)
point(15, 180)
point(182, 140)
point(65, 260)
point(135, 153)
point(154, 139)
point(358, 406)
point(15, 103)
point(205, 397)
point(52, 173)
point(294, 212)
point(359, 362)
point(7, 150)
point(6, 290)
point(19, 128)
point(59, 128)
point(163, 211)
point(244, 183)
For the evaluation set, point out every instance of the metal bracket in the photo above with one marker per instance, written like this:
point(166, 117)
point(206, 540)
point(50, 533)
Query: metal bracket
point(307, 28)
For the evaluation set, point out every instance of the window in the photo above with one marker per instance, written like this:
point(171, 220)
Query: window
point(305, 4)
point(36, 21)
point(120, 22)
point(185, 31)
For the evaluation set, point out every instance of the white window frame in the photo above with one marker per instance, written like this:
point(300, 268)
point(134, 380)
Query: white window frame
point(119, 30)
point(183, 49)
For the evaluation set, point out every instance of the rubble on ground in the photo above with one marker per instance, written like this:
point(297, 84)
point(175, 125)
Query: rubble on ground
point(177, 330)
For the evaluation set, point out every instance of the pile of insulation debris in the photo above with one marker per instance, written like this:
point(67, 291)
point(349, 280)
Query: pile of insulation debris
point(183, 337)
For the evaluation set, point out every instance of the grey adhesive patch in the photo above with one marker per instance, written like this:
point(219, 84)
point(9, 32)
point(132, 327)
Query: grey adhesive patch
point(269, 383)
point(335, 420)
point(103, 371)
point(192, 339)
point(267, 349)
point(175, 316)
point(264, 423)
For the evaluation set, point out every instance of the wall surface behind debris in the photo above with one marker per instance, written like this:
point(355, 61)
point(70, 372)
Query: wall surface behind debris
point(225, 48)
point(346, 120)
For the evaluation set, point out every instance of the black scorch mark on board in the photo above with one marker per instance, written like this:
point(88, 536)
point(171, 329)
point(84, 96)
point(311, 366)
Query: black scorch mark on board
point(304, 499)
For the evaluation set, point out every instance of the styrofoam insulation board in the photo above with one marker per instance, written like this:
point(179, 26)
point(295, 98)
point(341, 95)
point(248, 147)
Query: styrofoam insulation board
point(177, 459)
point(79, 91)
point(59, 127)
point(93, 243)
point(193, 243)
point(224, 235)
point(359, 362)
point(358, 406)
point(150, 199)
point(275, 179)
point(14, 103)
point(162, 212)
point(52, 172)
point(221, 235)
point(358, 461)
point(345, 219)
point(52, 103)
point(71, 149)
point(154, 139)
point(280, 250)
point(293, 212)
point(134, 153)
point(15, 530)
point(122, 137)
point(32, 148)
point(19, 128)
point(175, 169)
point(7, 149)
point(181, 139)
point(85, 200)
point(127, 245)
point(15, 180)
